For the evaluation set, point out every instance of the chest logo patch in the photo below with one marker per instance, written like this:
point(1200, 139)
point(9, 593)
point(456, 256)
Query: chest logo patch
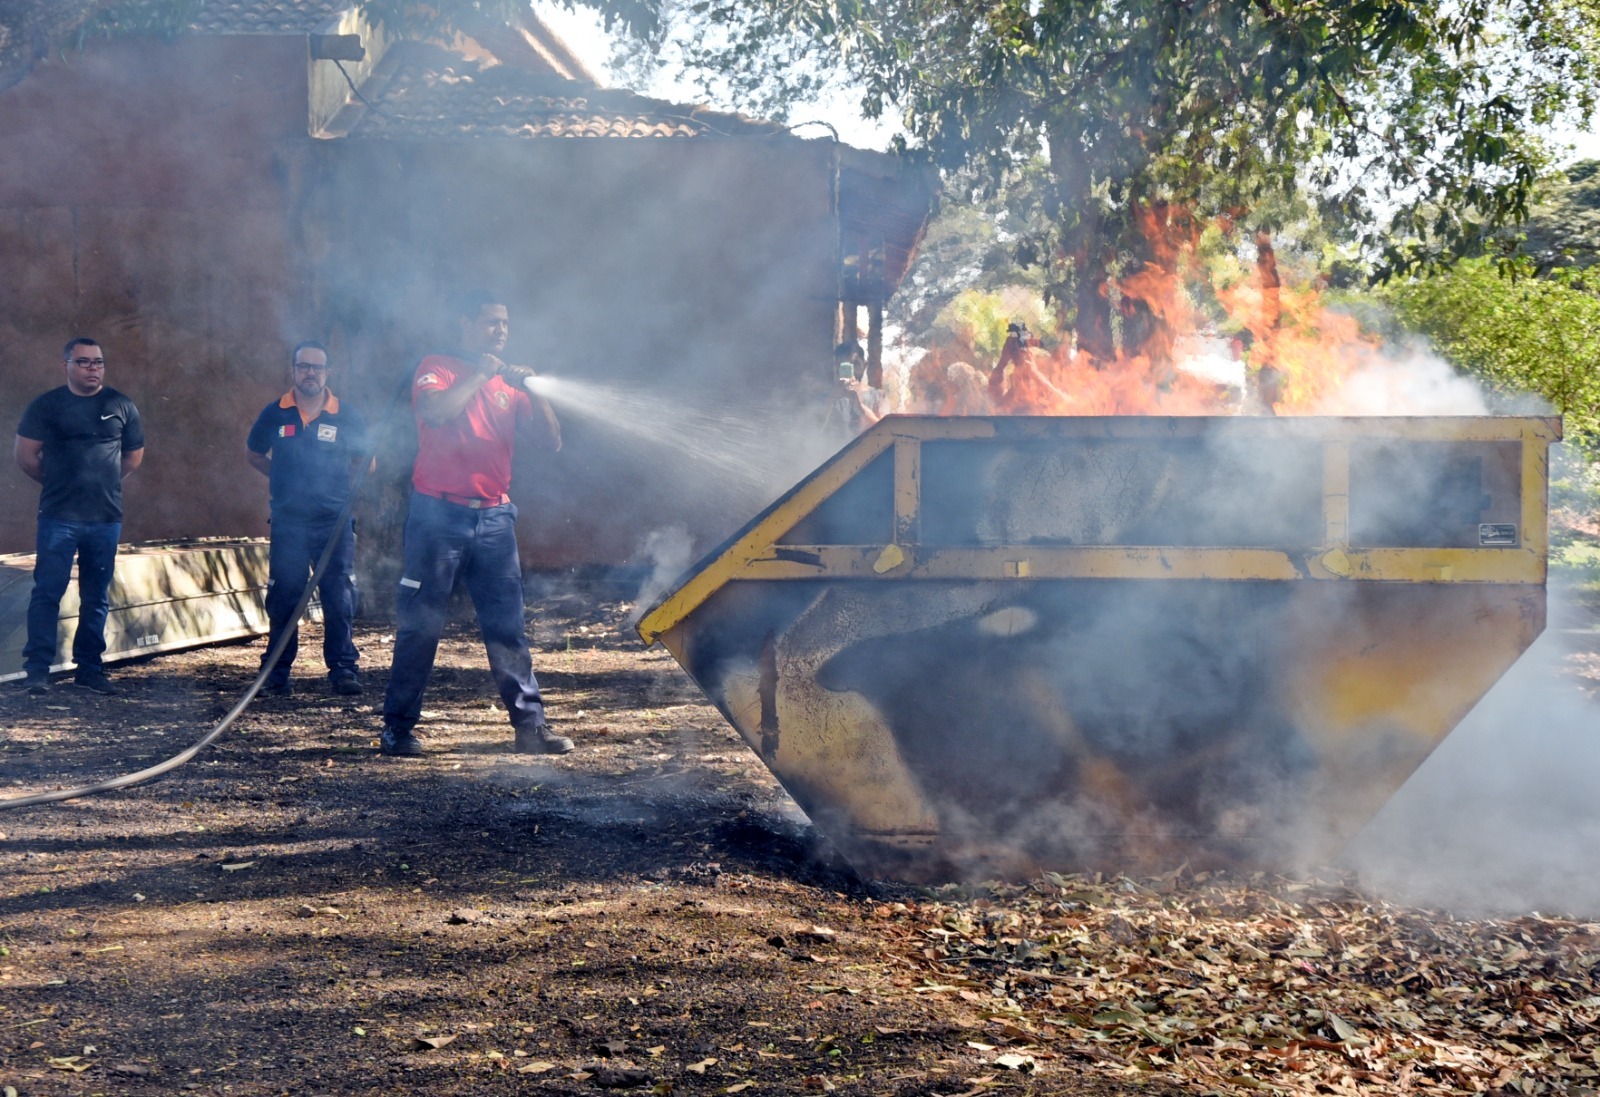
point(502, 401)
point(286, 431)
point(327, 432)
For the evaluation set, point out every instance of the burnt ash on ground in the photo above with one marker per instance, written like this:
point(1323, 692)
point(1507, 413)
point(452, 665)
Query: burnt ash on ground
point(293, 914)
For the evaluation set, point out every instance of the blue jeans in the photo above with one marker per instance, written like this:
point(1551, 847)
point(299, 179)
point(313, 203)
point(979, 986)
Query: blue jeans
point(94, 544)
point(296, 547)
point(443, 541)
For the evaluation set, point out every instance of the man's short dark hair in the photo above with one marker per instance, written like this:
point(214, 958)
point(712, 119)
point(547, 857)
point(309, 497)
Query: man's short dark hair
point(80, 341)
point(306, 344)
point(471, 303)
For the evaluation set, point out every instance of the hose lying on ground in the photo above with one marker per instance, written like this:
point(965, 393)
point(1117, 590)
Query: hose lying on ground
point(364, 464)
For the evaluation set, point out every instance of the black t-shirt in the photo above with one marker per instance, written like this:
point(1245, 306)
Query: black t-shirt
point(84, 439)
point(311, 462)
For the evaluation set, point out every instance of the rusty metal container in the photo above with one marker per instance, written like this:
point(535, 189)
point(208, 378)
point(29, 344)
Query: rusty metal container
point(978, 646)
point(165, 595)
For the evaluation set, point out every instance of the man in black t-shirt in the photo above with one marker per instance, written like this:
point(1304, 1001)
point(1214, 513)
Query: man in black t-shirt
point(308, 445)
point(79, 441)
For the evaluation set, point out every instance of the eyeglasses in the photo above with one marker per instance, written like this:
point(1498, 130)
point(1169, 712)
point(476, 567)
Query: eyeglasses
point(85, 363)
point(308, 367)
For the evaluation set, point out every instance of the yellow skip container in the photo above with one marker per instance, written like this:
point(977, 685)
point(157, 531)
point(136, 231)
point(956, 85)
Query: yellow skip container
point(989, 646)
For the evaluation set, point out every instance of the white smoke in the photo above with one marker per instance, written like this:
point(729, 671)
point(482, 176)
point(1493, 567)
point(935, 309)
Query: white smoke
point(1406, 381)
point(670, 551)
point(1503, 818)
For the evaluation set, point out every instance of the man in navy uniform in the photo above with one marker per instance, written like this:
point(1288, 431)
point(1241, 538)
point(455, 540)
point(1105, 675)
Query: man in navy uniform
point(78, 441)
point(308, 444)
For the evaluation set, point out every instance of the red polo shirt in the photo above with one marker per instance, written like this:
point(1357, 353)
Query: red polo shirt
point(470, 455)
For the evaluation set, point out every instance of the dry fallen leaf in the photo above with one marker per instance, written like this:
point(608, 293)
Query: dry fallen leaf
point(430, 1043)
point(1287, 986)
point(537, 1067)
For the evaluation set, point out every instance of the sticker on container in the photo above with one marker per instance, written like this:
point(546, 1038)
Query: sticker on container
point(1497, 534)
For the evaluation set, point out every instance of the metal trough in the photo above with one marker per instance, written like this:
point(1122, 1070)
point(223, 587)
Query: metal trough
point(974, 646)
point(165, 596)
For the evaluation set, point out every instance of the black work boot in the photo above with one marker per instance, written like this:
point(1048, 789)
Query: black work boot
point(399, 741)
point(539, 739)
point(94, 679)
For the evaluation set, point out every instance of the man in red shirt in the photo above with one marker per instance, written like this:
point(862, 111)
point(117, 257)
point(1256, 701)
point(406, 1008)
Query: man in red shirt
point(469, 406)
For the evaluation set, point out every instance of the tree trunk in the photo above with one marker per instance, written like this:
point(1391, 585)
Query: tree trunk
point(1083, 244)
point(1266, 374)
point(1148, 298)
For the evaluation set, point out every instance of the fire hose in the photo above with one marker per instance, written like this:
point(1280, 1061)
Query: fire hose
point(267, 665)
point(516, 375)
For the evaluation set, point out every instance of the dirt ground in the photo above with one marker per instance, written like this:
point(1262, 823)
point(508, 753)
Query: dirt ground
point(293, 914)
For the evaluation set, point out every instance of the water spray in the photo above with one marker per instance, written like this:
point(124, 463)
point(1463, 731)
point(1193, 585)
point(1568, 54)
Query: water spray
point(742, 445)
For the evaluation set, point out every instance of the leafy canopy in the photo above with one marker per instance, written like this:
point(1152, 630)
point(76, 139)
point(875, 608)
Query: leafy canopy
point(1409, 122)
point(1517, 334)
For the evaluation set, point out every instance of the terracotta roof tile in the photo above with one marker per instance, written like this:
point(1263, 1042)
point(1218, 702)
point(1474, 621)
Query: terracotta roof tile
point(431, 92)
point(266, 16)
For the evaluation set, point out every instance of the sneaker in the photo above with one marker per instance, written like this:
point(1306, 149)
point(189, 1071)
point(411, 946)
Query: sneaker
point(539, 739)
point(37, 684)
point(347, 684)
point(284, 688)
point(95, 681)
point(400, 742)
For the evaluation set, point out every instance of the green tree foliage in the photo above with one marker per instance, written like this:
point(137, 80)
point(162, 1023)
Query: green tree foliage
point(1410, 120)
point(977, 241)
point(975, 321)
point(1563, 228)
point(1517, 335)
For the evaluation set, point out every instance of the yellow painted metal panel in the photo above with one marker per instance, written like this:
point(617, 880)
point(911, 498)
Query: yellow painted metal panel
point(1120, 642)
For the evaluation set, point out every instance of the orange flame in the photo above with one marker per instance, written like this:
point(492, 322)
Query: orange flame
point(1296, 356)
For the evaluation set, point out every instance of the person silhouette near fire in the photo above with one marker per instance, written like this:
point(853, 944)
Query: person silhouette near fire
point(1015, 385)
point(855, 405)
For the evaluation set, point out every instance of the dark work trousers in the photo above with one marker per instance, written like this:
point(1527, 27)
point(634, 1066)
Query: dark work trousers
point(444, 540)
point(95, 546)
point(297, 545)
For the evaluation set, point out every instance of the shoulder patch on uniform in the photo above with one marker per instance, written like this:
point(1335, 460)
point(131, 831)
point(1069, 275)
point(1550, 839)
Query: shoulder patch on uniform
point(428, 379)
